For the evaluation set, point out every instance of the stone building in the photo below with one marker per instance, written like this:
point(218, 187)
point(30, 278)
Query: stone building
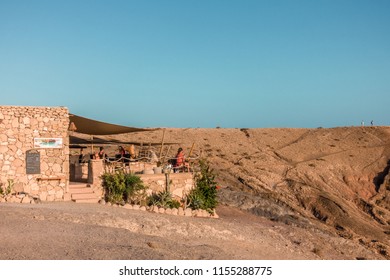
point(35, 155)
point(34, 150)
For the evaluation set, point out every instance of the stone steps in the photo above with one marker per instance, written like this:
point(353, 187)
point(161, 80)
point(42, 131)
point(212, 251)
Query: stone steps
point(90, 200)
point(79, 190)
point(83, 193)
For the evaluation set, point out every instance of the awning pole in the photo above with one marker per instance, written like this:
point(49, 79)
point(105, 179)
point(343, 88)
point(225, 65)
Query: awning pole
point(92, 145)
point(162, 144)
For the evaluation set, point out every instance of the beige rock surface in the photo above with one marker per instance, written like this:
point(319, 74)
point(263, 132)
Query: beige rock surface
point(328, 179)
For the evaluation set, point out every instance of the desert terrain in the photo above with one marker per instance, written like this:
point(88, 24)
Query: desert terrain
point(285, 194)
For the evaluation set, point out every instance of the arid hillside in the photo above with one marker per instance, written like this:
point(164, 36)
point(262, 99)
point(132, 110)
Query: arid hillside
point(335, 180)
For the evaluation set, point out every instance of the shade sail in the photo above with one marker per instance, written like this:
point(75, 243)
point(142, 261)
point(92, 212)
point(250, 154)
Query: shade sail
point(78, 140)
point(93, 127)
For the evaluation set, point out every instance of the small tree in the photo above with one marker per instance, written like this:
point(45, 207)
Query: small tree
point(204, 195)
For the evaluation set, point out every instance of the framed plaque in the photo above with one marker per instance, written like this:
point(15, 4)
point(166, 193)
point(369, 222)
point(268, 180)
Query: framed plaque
point(33, 162)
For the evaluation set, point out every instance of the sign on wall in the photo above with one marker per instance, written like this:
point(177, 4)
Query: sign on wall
point(33, 162)
point(48, 143)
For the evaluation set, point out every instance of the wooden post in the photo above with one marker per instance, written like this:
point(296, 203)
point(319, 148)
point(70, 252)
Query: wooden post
point(192, 148)
point(92, 144)
point(162, 144)
point(166, 154)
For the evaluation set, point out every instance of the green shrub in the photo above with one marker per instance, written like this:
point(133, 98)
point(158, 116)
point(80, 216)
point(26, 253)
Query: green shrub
point(122, 187)
point(204, 195)
point(10, 187)
point(163, 199)
point(135, 191)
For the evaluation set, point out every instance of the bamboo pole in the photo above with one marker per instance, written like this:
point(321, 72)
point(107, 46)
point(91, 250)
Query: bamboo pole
point(192, 148)
point(162, 144)
point(166, 154)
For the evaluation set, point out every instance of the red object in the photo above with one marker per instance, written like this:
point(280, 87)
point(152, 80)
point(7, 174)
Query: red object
point(180, 158)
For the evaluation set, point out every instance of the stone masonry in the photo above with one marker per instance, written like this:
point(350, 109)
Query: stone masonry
point(19, 126)
point(180, 184)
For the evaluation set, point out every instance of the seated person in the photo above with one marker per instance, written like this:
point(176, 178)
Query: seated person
point(180, 162)
point(96, 156)
point(122, 151)
point(102, 154)
point(83, 158)
point(131, 151)
point(123, 155)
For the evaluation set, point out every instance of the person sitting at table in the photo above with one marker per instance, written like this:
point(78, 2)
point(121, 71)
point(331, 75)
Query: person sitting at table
point(180, 162)
point(132, 151)
point(83, 158)
point(96, 155)
point(102, 154)
point(122, 152)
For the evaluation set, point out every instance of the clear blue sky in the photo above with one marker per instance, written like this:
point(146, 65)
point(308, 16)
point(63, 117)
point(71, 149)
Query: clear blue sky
point(200, 63)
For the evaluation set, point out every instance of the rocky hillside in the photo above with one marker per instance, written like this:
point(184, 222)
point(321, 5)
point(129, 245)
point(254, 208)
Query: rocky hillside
point(335, 180)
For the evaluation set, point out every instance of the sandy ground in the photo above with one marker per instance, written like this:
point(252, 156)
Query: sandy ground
point(93, 231)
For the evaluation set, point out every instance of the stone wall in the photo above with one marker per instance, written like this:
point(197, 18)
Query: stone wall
point(19, 126)
point(179, 183)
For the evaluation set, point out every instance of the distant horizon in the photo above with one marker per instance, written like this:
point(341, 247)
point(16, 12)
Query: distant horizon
point(224, 63)
point(366, 124)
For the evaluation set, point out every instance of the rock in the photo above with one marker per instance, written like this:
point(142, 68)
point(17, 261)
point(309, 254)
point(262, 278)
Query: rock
point(18, 187)
point(142, 208)
point(128, 206)
point(26, 200)
point(174, 211)
point(196, 213)
point(161, 210)
point(136, 207)
point(153, 245)
point(168, 211)
point(203, 213)
point(180, 211)
point(43, 196)
point(155, 209)
point(188, 212)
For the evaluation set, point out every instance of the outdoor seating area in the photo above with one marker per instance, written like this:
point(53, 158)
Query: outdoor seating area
point(134, 159)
